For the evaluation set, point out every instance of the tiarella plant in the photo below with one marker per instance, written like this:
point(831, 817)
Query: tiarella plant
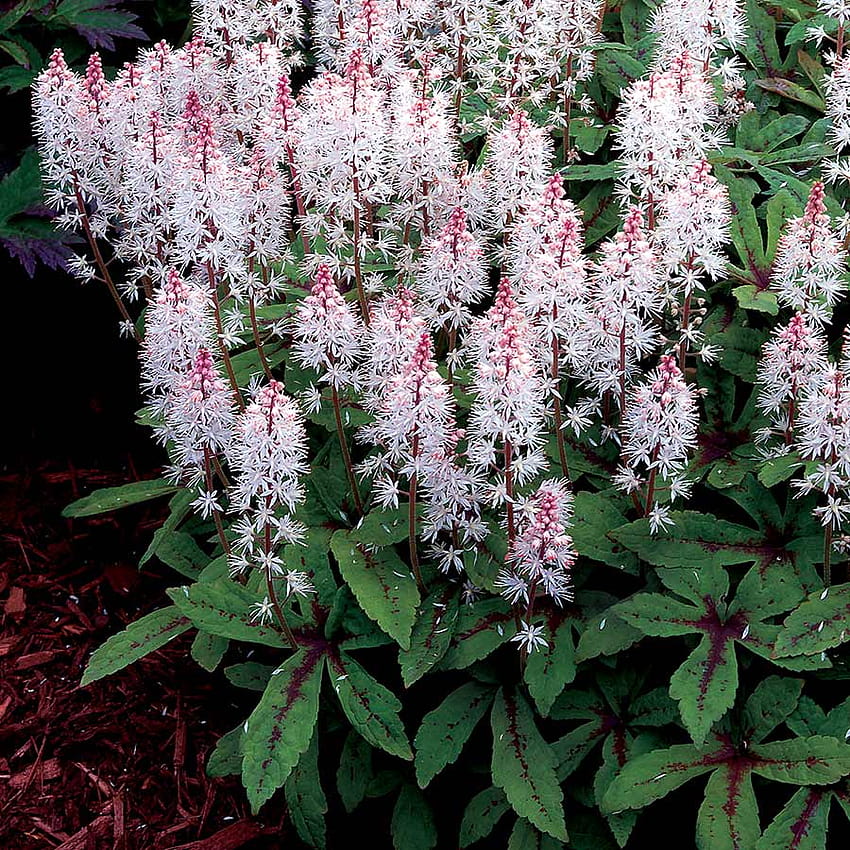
point(491, 342)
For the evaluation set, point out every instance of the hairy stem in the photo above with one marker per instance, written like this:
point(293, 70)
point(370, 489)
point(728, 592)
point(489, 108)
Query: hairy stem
point(255, 330)
point(219, 525)
point(225, 355)
point(346, 455)
point(101, 263)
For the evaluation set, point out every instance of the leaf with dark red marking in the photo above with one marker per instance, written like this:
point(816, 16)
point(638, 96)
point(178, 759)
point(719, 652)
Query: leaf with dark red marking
point(447, 728)
point(305, 798)
point(226, 757)
point(705, 685)
point(523, 765)
point(728, 818)
point(223, 608)
point(696, 584)
point(761, 594)
point(208, 650)
point(792, 91)
point(482, 814)
point(616, 750)
point(139, 639)
point(654, 775)
point(381, 583)
point(280, 728)
point(818, 760)
point(431, 636)
point(480, 629)
point(595, 516)
point(549, 669)
point(605, 634)
point(820, 623)
point(801, 825)
point(696, 540)
point(573, 748)
point(526, 837)
point(659, 616)
point(371, 709)
point(769, 704)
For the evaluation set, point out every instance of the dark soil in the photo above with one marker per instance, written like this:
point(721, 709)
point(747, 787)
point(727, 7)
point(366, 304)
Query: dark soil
point(118, 765)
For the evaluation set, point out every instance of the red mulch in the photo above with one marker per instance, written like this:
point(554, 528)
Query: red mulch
point(118, 765)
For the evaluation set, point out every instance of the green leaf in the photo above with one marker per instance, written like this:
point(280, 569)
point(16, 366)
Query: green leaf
point(17, 53)
point(208, 650)
point(595, 516)
point(381, 583)
point(305, 798)
point(800, 825)
point(837, 722)
point(113, 498)
point(697, 539)
point(763, 593)
point(779, 469)
point(280, 728)
point(778, 131)
point(616, 750)
point(447, 728)
point(807, 718)
point(431, 635)
point(792, 91)
point(179, 508)
point(571, 749)
point(523, 766)
point(617, 69)
point(223, 608)
point(250, 675)
point(525, 837)
point(139, 639)
point(226, 757)
point(413, 822)
point(605, 634)
point(371, 709)
point(760, 45)
point(311, 557)
point(728, 818)
point(709, 582)
point(355, 771)
point(590, 172)
point(705, 685)
point(550, 668)
point(600, 211)
point(821, 622)
point(20, 190)
point(817, 760)
point(482, 814)
point(652, 776)
point(769, 704)
point(760, 300)
point(744, 228)
point(658, 615)
point(480, 629)
point(181, 552)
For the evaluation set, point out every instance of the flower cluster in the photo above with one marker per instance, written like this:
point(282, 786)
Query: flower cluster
point(659, 431)
point(542, 554)
point(269, 457)
point(808, 273)
point(335, 231)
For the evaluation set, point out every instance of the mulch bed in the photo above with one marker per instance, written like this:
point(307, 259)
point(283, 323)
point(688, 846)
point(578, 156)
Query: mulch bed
point(118, 765)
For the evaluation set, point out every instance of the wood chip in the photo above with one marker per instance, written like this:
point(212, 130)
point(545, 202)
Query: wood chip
point(16, 603)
